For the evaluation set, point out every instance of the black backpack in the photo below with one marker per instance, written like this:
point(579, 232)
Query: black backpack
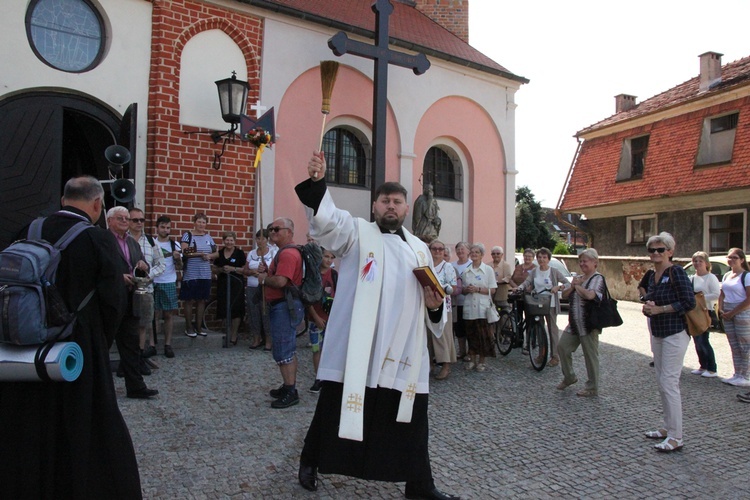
point(311, 290)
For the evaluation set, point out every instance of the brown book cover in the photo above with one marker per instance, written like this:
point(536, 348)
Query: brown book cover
point(426, 277)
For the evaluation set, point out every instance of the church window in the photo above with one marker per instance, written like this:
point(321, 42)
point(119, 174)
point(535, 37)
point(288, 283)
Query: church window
point(443, 171)
point(346, 158)
point(68, 35)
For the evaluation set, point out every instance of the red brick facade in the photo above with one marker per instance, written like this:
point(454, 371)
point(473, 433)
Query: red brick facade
point(179, 177)
point(452, 15)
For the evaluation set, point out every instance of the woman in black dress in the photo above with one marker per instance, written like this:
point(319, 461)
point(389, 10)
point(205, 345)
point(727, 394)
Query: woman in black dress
point(228, 265)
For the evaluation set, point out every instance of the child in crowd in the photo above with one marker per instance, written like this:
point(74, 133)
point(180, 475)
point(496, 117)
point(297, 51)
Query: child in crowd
point(317, 314)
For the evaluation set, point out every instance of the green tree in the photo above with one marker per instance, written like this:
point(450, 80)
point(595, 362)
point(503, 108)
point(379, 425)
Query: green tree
point(531, 229)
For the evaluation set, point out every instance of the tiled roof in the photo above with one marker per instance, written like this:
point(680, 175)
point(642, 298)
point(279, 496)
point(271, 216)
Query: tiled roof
point(732, 74)
point(409, 28)
point(670, 168)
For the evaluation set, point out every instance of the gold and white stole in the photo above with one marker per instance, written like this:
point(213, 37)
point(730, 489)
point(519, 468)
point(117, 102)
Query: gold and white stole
point(365, 313)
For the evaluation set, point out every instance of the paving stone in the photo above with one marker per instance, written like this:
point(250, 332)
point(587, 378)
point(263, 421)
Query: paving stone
point(504, 433)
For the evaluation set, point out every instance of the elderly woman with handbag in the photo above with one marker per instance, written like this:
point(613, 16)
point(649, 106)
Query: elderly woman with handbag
point(585, 288)
point(478, 286)
point(546, 279)
point(670, 296)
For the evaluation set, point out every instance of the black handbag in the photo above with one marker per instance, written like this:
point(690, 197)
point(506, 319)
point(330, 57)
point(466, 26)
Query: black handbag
point(602, 313)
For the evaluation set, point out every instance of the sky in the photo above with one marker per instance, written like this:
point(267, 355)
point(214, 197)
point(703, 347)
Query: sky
point(579, 54)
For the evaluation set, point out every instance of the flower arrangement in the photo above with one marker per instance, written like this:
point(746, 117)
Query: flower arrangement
point(261, 139)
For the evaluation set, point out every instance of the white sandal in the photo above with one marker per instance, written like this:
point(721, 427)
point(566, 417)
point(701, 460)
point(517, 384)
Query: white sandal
point(657, 434)
point(668, 445)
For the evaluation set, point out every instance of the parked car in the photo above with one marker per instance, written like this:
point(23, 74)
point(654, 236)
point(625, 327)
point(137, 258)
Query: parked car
point(719, 266)
point(560, 266)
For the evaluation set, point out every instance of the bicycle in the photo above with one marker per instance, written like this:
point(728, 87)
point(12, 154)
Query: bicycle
point(510, 329)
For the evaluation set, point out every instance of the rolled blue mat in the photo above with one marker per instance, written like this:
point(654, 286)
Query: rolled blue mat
point(64, 362)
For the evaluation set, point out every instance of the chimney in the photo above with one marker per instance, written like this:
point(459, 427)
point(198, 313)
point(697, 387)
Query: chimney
point(710, 69)
point(624, 102)
point(452, 15)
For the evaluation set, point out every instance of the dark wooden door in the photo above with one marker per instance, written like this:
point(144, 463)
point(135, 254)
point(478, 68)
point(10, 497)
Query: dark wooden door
point(30, 159)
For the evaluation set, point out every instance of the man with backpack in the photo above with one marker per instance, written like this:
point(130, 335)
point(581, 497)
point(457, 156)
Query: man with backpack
point(153, 257)
point(68, 439)
point(285, 308)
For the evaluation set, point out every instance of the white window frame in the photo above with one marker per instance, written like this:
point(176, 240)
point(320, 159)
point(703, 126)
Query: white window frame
point(707, 226)
point(629, 228)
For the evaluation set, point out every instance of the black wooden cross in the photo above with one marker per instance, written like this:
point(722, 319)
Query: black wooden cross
point(340, 44)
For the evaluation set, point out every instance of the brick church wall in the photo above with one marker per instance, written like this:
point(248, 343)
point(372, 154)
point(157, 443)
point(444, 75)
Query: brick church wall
point(179, 179)
point(452, 15)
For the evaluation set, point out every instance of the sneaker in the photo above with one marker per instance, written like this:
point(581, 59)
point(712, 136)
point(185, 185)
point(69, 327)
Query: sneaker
point(288, 399)
point(744, 398)
point(741, 382)
point(698, 371)
point(316, 387)
point(168, 352)
point(730, 380)
point(149, 351)
point(202, 334)
point(471, 366)
point(191, 334)
point(709, 374)
point(277, 393)
point(481, 367)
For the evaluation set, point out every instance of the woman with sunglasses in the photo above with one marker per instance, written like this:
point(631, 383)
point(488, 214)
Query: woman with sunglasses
point(670, 295)
point(734, 308)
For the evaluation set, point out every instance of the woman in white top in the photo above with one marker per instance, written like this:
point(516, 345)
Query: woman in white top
point(734, 308)
point(459, 330)
point(257, 320)
point(706, 282)
point(546, 279)
point(478, 286)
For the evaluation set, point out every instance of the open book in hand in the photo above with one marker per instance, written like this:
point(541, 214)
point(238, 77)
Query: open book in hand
point(427, 278)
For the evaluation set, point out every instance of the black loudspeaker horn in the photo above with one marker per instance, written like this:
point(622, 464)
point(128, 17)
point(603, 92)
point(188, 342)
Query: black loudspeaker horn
point(123, 190)
point(117, 156)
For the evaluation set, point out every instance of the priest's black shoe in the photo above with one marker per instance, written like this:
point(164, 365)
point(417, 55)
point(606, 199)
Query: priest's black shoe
point(144, 393)
point(308, 477)
point(429, 494)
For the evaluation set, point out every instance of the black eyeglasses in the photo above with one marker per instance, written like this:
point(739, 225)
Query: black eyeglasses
point(138, 220)
point(660, 250)
point(276, 229)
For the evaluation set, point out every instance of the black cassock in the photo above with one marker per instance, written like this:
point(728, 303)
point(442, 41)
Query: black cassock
point(69, 439)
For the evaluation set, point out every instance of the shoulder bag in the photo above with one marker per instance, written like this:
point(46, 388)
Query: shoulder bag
point(491, 312)
point(698, 320)
point(602, 313)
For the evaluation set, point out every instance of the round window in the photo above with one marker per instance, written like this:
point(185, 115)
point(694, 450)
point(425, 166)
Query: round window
point(66, 34)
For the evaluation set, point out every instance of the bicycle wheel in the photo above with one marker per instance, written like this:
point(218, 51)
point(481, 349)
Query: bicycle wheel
point(538, 344)
point(212, 319)
point(505, 332)
point(302, 327)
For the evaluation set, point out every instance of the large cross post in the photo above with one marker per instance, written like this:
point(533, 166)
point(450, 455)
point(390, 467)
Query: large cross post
point(340, 44)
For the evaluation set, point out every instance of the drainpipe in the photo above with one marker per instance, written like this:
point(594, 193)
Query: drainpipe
point(558, 211)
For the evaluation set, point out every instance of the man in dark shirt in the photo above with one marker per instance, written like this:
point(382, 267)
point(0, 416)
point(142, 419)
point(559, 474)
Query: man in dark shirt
point(68, 439)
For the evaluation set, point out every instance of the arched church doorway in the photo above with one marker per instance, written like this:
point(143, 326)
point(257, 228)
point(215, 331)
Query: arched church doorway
point(47, 138)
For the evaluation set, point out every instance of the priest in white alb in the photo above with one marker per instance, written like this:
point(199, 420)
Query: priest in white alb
point(371, 417)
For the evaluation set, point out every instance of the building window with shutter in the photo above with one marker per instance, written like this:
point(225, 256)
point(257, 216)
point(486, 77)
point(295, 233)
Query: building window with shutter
point(442, 169)
point(347, 157)
point(717, 139)
point(633, 158)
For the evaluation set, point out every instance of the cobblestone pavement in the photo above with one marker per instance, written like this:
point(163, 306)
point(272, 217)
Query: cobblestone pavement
point(504, 433)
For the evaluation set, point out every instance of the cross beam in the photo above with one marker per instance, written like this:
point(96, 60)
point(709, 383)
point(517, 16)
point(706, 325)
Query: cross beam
point(340, 44)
